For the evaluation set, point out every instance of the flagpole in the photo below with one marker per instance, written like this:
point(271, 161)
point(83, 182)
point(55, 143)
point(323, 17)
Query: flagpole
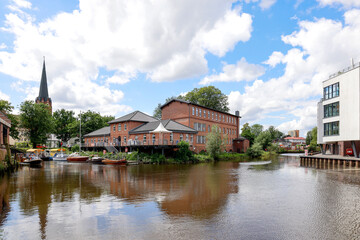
point(80, 130)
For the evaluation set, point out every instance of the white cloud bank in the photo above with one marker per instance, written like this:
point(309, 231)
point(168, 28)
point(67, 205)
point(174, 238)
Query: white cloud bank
point(345, 3)
point(165, 40)
point(320, 47)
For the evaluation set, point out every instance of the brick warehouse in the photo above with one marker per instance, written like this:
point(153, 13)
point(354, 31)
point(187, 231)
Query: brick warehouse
point(183, 121)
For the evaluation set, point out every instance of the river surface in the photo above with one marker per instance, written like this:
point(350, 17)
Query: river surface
point(225, 200)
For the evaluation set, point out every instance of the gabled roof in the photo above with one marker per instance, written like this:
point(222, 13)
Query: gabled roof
point(105, 131)
point(168, 124)
point(5, 120)
point(195, 104)
point(43, 92)
point(136, 116)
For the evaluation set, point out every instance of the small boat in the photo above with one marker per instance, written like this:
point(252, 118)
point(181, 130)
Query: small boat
point(75, 157)
point(45, 156)
point(32, 162)
point(60, 157)
point(95, 160)
point(114, 162)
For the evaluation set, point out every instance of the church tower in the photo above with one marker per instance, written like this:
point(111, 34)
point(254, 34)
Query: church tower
point(43, 93)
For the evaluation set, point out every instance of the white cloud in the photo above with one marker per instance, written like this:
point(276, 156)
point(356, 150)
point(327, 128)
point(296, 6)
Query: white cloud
point(320, 47)
point(274, 59)
point(241, 71)
point(3, 46)
point(3, 96)
point(345, 3)
point(165, 40)
point(264, 4)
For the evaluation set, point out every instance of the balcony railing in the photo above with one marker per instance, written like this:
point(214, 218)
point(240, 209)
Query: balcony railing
point(134, 143)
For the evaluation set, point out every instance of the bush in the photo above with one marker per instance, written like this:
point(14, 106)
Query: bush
point(255, 150)
point(184, 155)
point(202, 158)
point(75, 148)
point(236, 157)
point(157, 158)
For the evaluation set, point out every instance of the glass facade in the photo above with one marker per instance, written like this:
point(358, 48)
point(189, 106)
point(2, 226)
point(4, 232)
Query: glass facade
point(331, 128)
point(331, 91)
point(331, 110)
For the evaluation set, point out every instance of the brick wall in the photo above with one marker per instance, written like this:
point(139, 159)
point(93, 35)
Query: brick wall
point(189, 115)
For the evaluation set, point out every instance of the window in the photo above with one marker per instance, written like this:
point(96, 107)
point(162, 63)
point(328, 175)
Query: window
point(136, 138)
point(331, 128)
point(144, 138)
point(212, 114)
point(219, 117)
point(204, 127)
point(114, 128)
point(153, 138)
point(113, 140)
point(195, 126)
point(125, 126)
point(187, 137)
point(181, 137)
point(171, 137)
point(125, 140)
point(193, 111)
point(331, 110)
point(204, 113)
point(208, 128)
point(331, 91)
point(191, 138)
point(199, 112)
point(91, 141)
point(119, 127)
point(208, 114)
point(216, 117)
point(224, 130)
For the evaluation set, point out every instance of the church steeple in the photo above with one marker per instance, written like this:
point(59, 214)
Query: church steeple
point(43, 92)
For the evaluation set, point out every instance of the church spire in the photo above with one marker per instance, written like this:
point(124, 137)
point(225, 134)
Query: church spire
point(43, 93)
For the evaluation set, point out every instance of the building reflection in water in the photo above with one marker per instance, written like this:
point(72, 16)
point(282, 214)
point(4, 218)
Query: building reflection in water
point(198, 191)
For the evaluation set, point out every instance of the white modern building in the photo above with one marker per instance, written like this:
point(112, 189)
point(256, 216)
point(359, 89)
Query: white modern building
point(338, 114)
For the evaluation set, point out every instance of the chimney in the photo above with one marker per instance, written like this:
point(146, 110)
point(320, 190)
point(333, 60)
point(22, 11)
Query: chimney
point(237, 113)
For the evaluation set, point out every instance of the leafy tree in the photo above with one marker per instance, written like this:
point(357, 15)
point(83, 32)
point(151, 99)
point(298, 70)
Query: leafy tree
point(37, 119)
point(308, 137)
point(256, 129)
point(7, 108)
point(90, 121)
point(274, 133)
point(214, 142)
point(210, 97)
point(63, 120)
point(255, 150)
point(314, 136)
point(264, 139)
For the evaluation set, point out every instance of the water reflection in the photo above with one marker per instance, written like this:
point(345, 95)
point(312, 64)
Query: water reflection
point(276, 200)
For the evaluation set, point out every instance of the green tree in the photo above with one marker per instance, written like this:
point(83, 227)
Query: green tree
point(256, 129)
point(264, 139)
point(62, 121)
point(274, 133)
point(214, 142)
point(7, 108)
point(37, 119)
point(184, 154)
point(246, 133)
point(90, 121)
point(210, 97)
point(308, 137)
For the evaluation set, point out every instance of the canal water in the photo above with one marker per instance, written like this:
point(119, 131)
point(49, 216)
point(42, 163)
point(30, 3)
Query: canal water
point(225, 200)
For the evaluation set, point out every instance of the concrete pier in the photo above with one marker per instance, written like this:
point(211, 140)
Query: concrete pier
point(319, 161)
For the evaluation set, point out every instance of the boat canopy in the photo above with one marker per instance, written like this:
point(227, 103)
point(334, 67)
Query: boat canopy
point(57, 150)
point(34, 150)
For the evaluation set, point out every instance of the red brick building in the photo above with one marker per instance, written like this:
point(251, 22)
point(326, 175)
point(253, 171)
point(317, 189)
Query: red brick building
point(5, 125)
point(181, 121)
point(202, 119)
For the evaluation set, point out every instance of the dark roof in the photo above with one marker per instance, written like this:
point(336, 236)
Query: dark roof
point(136, 116)
point(105, 131)
point(195, 104)
point(240, 138)
point(168, 124)
point(43, 92)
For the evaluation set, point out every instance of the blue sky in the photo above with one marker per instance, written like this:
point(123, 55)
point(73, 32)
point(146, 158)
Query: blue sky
point(114, 57)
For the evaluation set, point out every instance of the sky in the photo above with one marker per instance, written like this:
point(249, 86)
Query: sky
point(117, 56)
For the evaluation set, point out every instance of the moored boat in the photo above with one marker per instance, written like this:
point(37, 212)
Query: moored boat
point(96, 160)
point(114, 162)
point(75, 157)
point(32, 161)
point(60, 157)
